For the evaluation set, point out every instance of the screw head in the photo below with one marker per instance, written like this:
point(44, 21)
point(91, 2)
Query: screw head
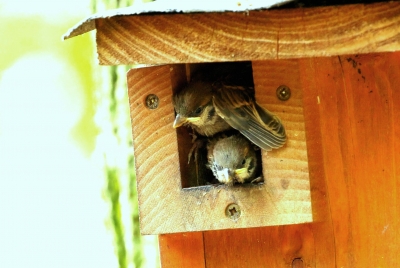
point(283, 93)
point(152, 101)
point(233, 211)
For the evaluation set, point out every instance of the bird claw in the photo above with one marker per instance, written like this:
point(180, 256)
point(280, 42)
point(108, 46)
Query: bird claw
point(257, 180)
point(197, 144)
point(195, 149)
point(194, 137)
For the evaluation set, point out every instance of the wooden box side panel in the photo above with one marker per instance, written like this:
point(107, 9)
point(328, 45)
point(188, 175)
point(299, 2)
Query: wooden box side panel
point(359, 108)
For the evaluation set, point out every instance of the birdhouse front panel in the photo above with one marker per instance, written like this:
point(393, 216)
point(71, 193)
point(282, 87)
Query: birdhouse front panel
point(177, 196)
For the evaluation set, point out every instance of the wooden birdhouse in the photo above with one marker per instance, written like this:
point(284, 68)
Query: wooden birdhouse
point(330, 73)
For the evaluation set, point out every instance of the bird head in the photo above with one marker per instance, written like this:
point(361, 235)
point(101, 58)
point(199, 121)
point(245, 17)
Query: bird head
point(233, 159)
point(194, 107)
point(191, 104)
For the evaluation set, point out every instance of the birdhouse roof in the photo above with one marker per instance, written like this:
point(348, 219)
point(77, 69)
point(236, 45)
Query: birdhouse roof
point(164, 6)
point(156, 33)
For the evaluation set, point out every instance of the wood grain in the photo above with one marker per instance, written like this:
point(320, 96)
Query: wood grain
point(187, 249)
point(155, 148)
point(359, 108)
point(255, 35)
point(286, 169)
point(166, 205)
point(275, 246)
point(352, 123)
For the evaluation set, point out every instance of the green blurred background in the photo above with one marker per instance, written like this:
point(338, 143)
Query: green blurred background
point(68, 189)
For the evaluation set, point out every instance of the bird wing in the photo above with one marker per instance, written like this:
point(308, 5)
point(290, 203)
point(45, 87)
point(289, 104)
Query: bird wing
point(239, 110)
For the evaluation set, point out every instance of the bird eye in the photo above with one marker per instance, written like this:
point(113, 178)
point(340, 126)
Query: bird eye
point(198, 110)
point(251, 165)
point(243, 161)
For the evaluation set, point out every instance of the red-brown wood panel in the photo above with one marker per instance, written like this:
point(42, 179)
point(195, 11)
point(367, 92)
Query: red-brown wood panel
point(260, 247)
point(182, 250)
point(359, 110)
point(352, 118)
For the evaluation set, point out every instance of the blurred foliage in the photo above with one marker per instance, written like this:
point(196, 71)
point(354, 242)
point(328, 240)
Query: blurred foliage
point(111, 4)
point(40, 36)
point(110, 110)
point(113, 190)
point(120, 170)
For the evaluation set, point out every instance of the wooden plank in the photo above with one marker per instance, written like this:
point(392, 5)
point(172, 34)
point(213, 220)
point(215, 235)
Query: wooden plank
point(182, 250)
point(167, 206)
point(286, 169)
point(359, 106)
point(322, 227)
point(155, 148)
point(255, 35)
point(274, 246)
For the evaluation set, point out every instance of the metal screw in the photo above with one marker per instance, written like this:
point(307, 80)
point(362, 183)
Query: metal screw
point(283, 93)
point(152, 101)
point(233, 211)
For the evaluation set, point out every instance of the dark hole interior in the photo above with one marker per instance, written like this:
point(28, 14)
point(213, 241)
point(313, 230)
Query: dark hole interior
point(231, 73)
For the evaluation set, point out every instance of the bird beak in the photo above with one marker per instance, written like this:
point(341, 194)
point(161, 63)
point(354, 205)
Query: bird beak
point(179, 121)
point(224, 176)
point(240, 171)
point(193, 119)
point(241, 174)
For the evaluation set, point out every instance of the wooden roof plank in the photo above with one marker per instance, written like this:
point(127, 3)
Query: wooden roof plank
point(253, 35)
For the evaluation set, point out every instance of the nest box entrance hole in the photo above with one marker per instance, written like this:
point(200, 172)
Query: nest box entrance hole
point(196, 173)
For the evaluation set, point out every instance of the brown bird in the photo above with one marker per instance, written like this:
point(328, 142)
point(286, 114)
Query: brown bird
point(213, 108)
point(232, 159)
